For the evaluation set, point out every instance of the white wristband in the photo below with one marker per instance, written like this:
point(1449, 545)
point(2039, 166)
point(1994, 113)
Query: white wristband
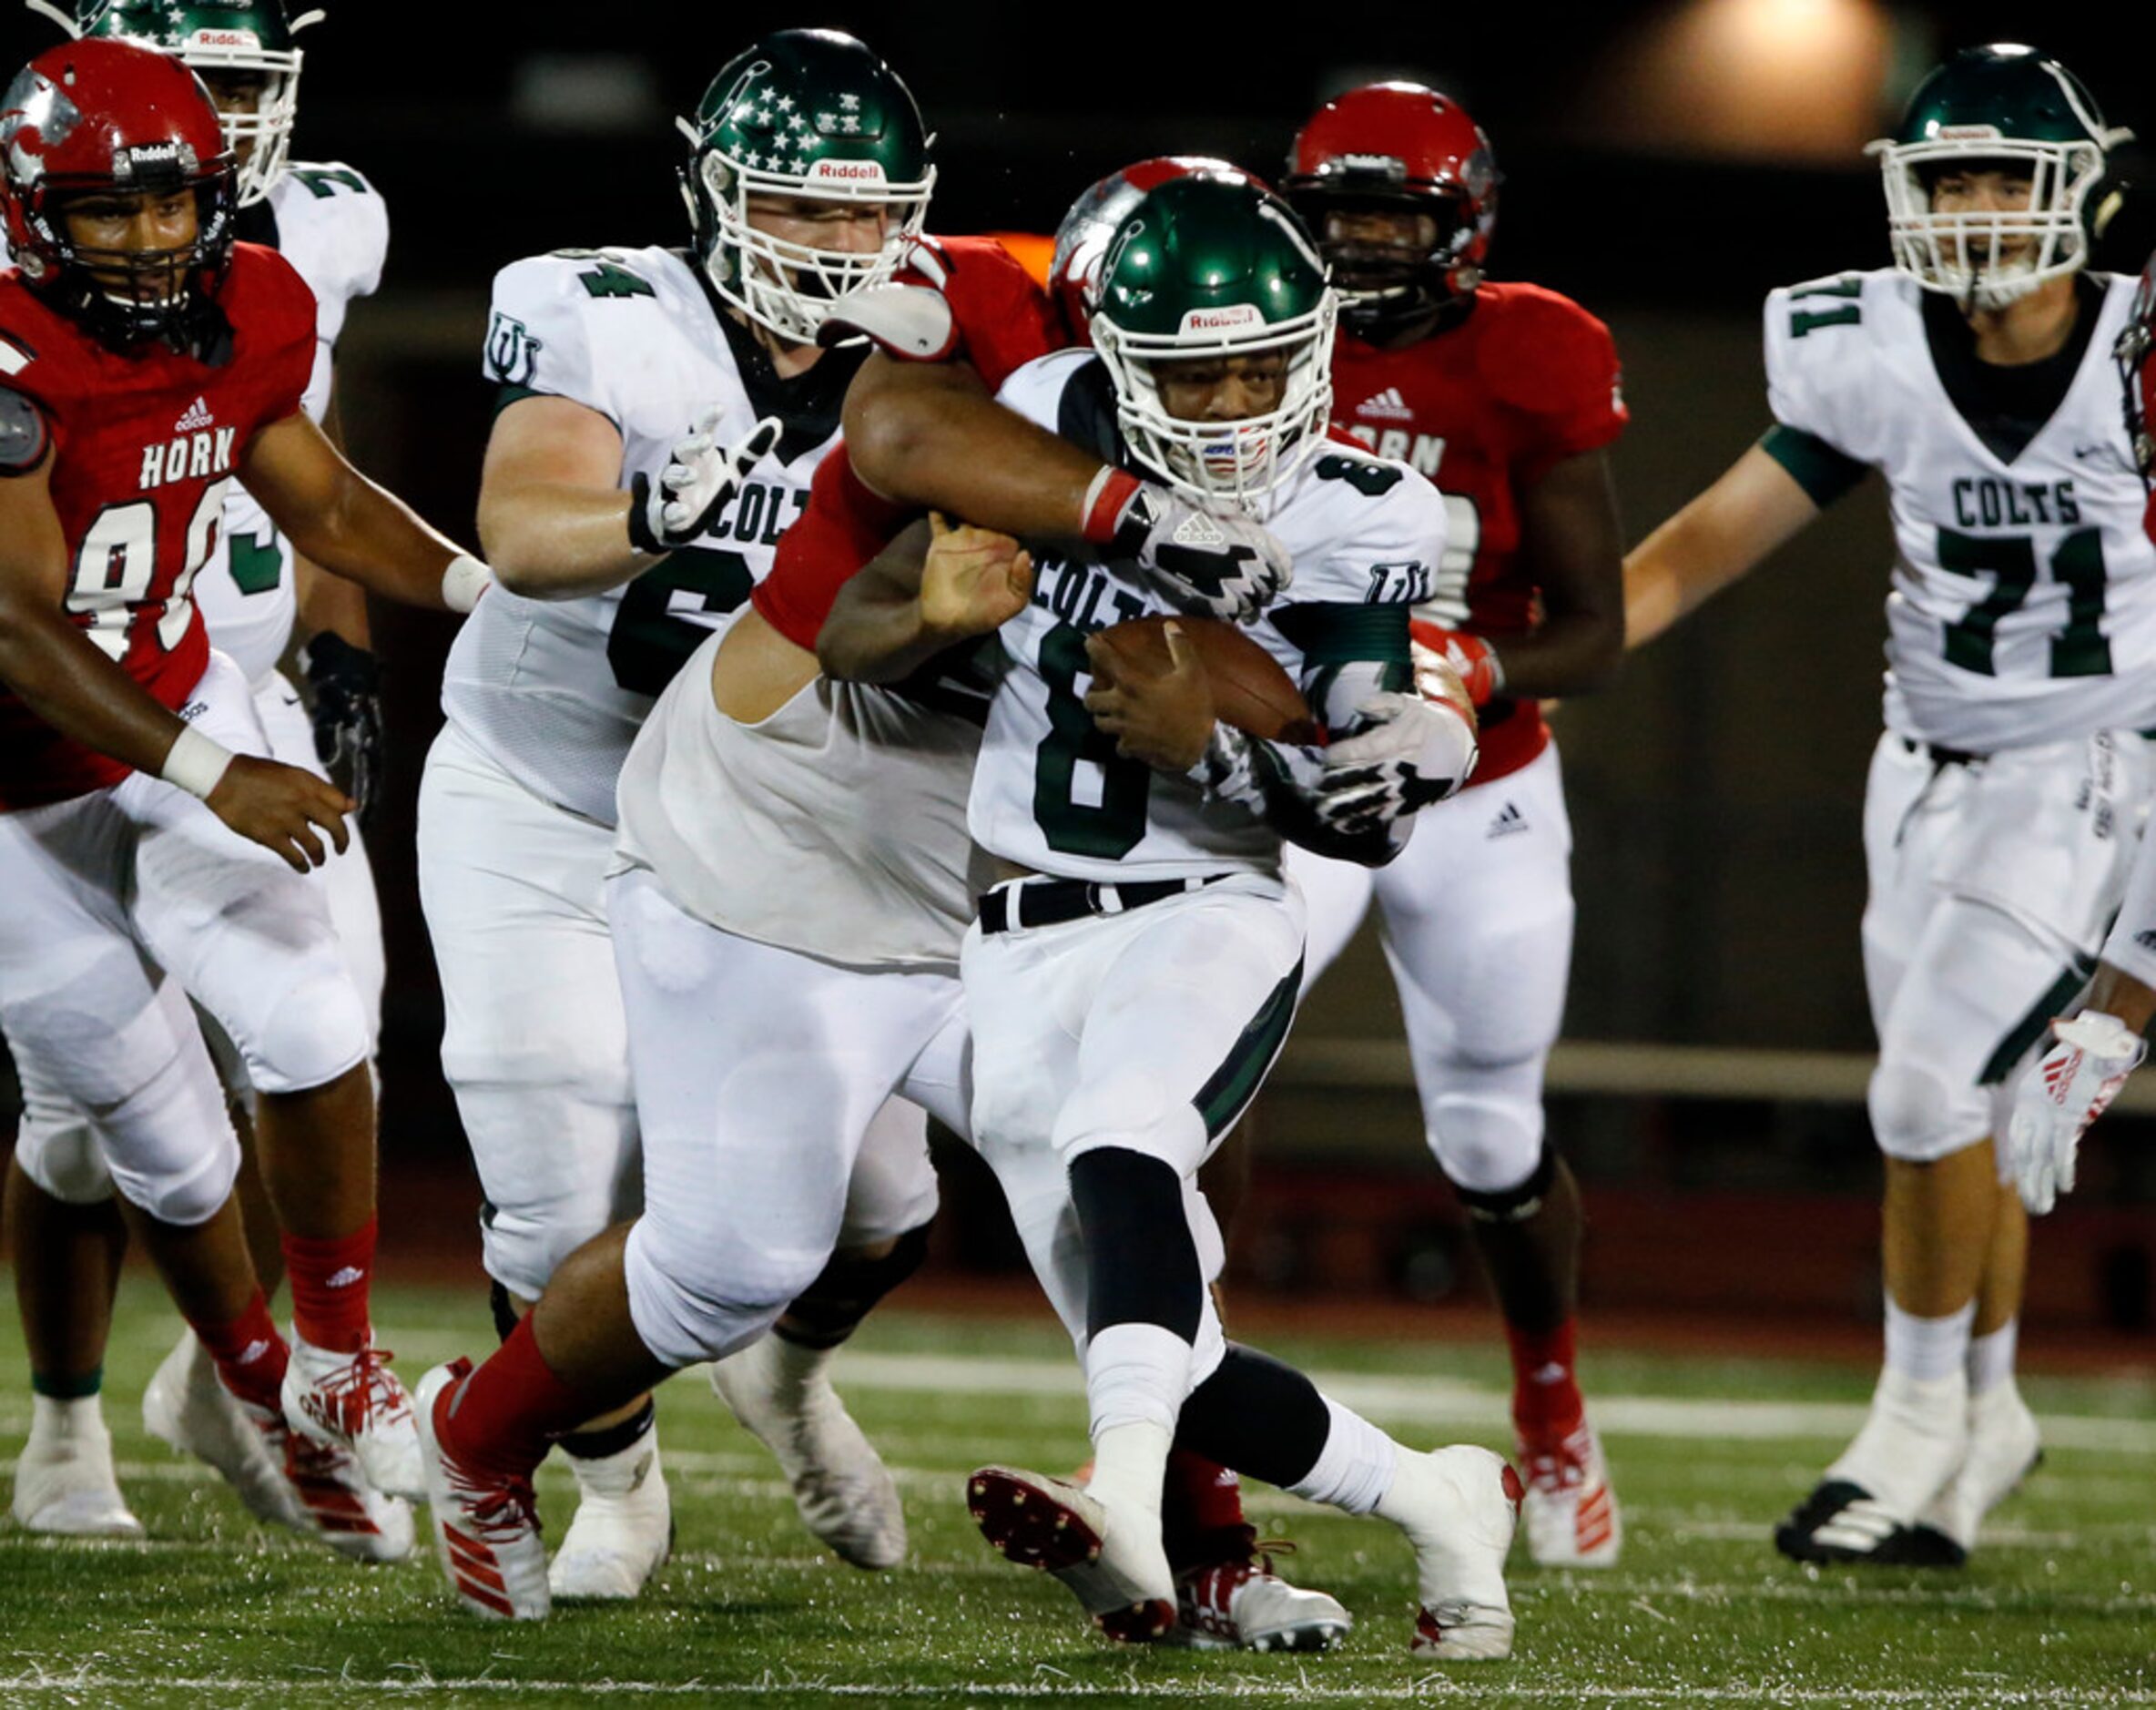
point(463, 582)
point(194, 763)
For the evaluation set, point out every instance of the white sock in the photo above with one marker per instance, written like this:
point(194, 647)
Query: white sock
point(54, 1420)
point(1129, 1463)
point(793, 1368)
point(1992, 1357)
point(1354, 1469)
point(1135, 1374)
point(1927, 1348)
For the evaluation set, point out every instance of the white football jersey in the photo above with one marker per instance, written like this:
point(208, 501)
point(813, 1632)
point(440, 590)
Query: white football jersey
point(2023, 608)
point(554, 691)
point(1050, 792)
point(333, 227)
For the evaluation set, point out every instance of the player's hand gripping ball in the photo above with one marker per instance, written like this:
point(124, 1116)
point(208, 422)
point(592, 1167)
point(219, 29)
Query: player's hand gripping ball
point(1250, 691)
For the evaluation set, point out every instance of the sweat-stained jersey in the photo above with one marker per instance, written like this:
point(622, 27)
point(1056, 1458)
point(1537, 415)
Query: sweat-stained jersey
point(333, 226)
point(1050, 792)
point(1483, 409)
point(2023, 608)
point(145, 448)
point(554, 691)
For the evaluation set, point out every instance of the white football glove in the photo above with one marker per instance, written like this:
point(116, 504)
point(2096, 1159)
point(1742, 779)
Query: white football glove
point(1210, 567)
point(1412, 753)
point(699, 477)
point(2089, 1061)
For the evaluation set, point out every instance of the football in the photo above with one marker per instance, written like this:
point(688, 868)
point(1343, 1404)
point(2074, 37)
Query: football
point(1250, 689)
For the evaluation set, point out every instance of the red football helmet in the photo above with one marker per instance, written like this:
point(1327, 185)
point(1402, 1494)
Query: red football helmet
point(1081, 240)
point(2136, 352)
point(1394, 148)
point(110, 118)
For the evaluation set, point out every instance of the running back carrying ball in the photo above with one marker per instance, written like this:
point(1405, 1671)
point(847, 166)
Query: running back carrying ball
point(1250, 689)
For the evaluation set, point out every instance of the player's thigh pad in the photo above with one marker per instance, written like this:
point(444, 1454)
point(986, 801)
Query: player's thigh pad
point(758, 1072)
point(248, 937)
point(535, 1044)
point(347, 879)
point(1478, 917)
point(1336, 897)
point(1979, 990)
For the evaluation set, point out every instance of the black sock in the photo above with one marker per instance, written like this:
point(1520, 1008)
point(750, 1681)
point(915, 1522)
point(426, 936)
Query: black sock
point(1264, 1419)
point(1139, 1250)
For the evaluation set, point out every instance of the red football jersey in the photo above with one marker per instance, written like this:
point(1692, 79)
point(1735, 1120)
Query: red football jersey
point(1004, 322)
point(1483, 407)
point(145, 445)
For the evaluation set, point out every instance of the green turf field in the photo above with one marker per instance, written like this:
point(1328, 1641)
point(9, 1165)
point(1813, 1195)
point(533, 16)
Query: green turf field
point(2059, 1608)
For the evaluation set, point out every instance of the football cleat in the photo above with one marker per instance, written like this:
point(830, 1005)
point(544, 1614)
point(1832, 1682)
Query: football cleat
point(486, 1528)
point(845, 1493)
point(623, 1527)
point(1115, 1568)
point(1244, 1605)
point(354, 1402)
point(2004, 1448)
point(326, 1487)
point(1865, 1508)
point(1570, 1512)
point(64, 1483)
point(186, 1407)
point(1459, 1507)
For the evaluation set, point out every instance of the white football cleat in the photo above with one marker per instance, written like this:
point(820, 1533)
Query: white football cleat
point(2004, 1447)
point(64, 1483)
point(623, 1527)
point(1570, 1512)
point(337, 1504)
point(355, 1402)
point(1459, 1507)
point(486, 1530)
point(783, 1397)
point(1865, 1508)
point(1115, 1565)
point(187, 1407)
point(1246, 1606)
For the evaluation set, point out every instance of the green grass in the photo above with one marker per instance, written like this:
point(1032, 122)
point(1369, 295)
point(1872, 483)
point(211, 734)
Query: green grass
point(2060, 1609)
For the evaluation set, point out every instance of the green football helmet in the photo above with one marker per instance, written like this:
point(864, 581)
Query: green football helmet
point(1212, 267)
point(2002, 107)
point(810, 114)
point(249, 36)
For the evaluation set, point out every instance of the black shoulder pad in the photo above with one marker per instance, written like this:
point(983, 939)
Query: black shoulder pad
point(24, 437)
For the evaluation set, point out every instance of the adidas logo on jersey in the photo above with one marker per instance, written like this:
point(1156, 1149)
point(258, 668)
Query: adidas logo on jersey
point(1387, 406)
point(1509, 820)
point(198, 416)
point(188, 457)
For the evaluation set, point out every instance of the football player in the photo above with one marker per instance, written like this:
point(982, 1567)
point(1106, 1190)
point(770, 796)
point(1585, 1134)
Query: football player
point(329, 222)
point(2098, 1042)
point(661, 414)
point(148, 363)
point(1507, 396)
point(2006, 795)
point(1132, 975)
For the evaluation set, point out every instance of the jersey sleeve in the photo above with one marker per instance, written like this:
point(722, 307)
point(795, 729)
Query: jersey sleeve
point(845, 526)
point(1814, 344)
point(1556, 371)
point(1005, 319)
point(538, 342)
point(349, 228)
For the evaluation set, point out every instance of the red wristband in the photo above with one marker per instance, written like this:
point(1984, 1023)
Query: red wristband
point(1105, 501)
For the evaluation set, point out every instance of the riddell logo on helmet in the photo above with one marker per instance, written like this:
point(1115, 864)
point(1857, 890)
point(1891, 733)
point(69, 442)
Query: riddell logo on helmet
point(224, 38)
point(1221, 320)
point(848, 171)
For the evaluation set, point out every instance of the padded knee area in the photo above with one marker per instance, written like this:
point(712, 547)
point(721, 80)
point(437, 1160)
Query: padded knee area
point(1486, 1123)
point(1918, 1115)
point(305, 1033)
point(1141, 1256)
point(170, 1146)
point(60, 1156)
point(694, 1296)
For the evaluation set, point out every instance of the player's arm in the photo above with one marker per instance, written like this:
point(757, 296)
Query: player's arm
point(1573, 547)
point(936, 585)
point(336, 517)
point(329, 605)
point(1755, 505)
point(928, 435)
point(63, 678)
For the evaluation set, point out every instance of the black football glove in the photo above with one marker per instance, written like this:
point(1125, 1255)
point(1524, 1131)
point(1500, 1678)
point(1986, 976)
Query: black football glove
point(347, 684)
